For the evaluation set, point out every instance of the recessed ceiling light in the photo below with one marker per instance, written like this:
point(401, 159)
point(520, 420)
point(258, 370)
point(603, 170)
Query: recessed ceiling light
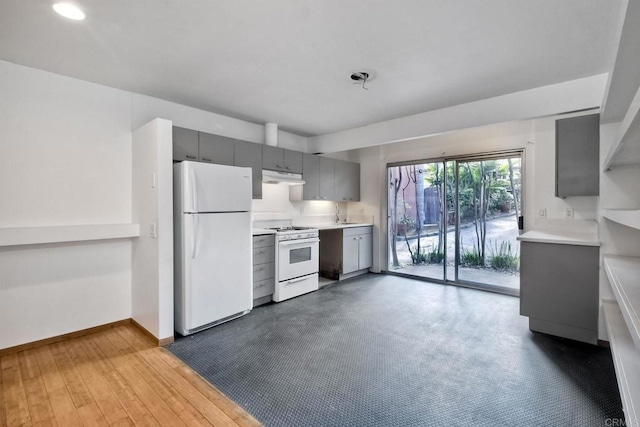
point(69, 11)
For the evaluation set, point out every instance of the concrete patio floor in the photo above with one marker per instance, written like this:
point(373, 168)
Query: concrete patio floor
point(500, 229)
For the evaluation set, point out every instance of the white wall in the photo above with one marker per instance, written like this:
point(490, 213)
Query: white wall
point(536, 137)
point(65, 158)
point(152, 262)
point(276, 206)
point(574, 95)
point(544, 178)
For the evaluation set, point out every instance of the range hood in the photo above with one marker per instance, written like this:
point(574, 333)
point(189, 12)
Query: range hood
point(275, 177)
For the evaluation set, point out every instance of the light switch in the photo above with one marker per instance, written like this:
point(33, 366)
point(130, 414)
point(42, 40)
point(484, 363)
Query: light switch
point(153, 232)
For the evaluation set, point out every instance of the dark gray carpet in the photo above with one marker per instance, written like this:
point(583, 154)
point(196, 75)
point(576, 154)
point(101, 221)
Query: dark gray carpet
point(387, 351)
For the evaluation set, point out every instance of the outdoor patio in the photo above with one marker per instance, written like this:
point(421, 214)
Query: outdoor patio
point(502, 228)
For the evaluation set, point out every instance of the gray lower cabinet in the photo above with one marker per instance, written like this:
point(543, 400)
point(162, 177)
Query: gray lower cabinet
point(248, 154)
point(559, 289)
point(185, 144)
point(281, 159)
point(263, 268)
point(215, 149)
point(345, 251)
point(347, 181)
point(578, 156)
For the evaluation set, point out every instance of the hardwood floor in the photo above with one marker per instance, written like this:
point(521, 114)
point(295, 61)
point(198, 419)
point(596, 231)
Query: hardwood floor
point(116, 377)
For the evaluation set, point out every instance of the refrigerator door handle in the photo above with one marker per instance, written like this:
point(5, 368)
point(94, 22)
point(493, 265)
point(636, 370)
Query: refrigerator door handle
point(193, 187)
point(194, 236)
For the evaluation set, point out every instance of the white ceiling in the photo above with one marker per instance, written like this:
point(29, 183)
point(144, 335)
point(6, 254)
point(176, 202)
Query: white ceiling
point(289, 61)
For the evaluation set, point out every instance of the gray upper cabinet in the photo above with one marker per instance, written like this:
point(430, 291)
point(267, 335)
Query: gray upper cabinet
point(215, 149)
point(282, 160)
point(185, 144)
point(272, 158)
point(327, 179)
point(577, 156)
point(292, 161)
point(311, 177)
point(347, 181)
point(249, 154)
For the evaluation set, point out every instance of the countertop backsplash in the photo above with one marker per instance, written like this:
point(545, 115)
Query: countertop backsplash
point(276, 210)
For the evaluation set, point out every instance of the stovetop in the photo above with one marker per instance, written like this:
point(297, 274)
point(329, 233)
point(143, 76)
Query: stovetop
point(295, 233)
point(290, 228)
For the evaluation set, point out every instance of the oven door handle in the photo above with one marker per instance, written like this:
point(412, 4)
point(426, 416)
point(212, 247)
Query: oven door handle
point(299, 242)
point(290, 282)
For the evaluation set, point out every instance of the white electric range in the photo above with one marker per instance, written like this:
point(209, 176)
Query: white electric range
point(297, 261)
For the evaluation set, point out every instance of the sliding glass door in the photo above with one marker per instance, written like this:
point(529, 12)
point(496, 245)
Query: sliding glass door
point(456, 220)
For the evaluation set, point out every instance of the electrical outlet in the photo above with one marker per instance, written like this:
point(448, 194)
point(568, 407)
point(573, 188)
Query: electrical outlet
point(542, 213)
point(569, 213)
point(361, 210)
point(153, 232)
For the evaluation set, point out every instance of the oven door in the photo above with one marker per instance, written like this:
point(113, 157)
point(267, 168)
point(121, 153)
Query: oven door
point(297, 258)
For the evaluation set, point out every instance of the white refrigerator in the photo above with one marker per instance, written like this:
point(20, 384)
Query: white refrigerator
point(212, 227)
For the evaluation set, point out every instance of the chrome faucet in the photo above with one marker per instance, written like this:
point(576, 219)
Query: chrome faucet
point(337, 213)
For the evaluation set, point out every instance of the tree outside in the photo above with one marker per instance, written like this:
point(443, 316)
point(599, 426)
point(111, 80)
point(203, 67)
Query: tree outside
point(420, 215)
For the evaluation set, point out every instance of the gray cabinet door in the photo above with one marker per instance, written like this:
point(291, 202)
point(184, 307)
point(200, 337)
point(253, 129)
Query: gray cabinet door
point(215, 149)
point(341, 176)
point(559, 284)
point(350, 256)
point(347, 181)
point(353, 181)
point(365, 251)
point(185, 144)
point(577, 156)
point(273, 158)
point(292, 161)
point(327, 178)
point(249, 154)
point(311, 177)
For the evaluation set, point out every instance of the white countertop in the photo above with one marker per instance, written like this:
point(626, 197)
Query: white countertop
point(560, 237)
point(261, 231)
point(563, 232)
point(335, 226)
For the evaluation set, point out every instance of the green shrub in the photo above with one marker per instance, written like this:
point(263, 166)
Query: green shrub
point(503, 258)
point(419, 257)
point(470, 257)
point(435, 257)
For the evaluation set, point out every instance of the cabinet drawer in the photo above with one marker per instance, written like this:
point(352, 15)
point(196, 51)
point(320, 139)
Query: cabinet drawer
point(264, 255)
point(354, 231)
point(263, 288)
point(263, 271)
point(264, 241)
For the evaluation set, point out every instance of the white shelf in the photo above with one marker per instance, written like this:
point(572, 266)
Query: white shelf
point(628, 217)
point(624, 276)
point(16, 236)
point(626, 360)
point(626, 148)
